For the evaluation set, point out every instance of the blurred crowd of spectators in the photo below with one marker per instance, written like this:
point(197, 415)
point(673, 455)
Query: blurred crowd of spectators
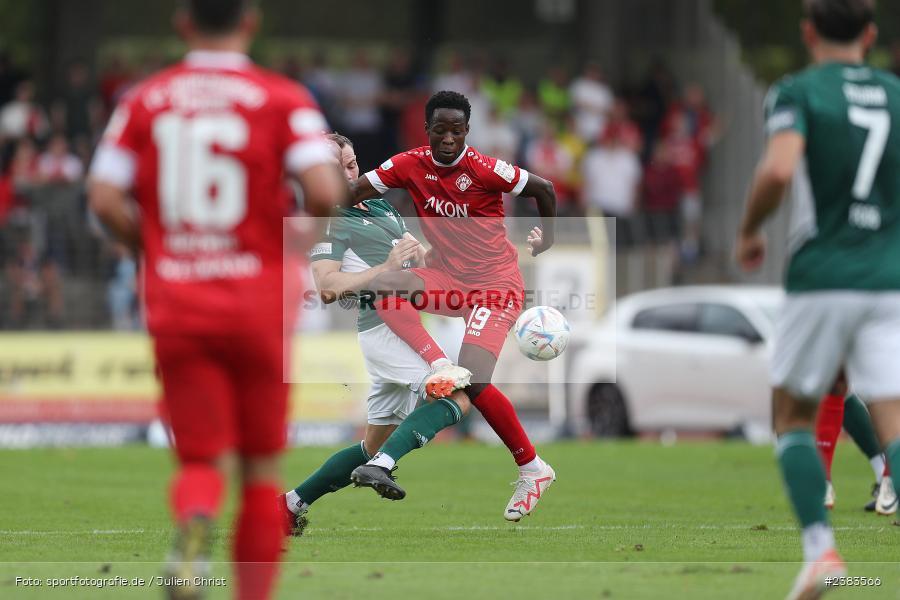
point(635, 153)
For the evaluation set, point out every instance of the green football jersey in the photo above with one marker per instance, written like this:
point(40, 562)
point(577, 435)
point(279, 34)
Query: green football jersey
point(361, 239)
point(845, 218)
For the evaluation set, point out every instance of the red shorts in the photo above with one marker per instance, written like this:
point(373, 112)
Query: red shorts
point(490, 312)
point(224, 393)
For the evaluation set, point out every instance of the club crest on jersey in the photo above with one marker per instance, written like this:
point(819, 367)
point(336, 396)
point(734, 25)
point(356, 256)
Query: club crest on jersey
point(463, 182)
point(447, 209)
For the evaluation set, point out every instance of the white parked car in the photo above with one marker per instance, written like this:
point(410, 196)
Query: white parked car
point(686, 358)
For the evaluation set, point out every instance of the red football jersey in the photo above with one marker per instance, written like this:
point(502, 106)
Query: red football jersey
point(468, 236)
point(204, 147)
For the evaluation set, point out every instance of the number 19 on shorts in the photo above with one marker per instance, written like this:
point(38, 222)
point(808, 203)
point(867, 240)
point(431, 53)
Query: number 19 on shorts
point(477, 320)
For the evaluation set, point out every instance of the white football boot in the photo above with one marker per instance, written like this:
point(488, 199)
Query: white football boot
point(446, 378)
point(829, 496)
point(530, 487)
point(815, 577)
point(886, 503)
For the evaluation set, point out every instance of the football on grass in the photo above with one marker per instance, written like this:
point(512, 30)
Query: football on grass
point(542, 333)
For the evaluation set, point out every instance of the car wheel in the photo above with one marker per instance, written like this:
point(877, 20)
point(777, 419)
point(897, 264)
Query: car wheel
point(607, 413)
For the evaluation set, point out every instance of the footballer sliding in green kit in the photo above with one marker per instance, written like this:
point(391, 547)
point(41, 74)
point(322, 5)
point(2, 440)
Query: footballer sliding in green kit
point(361, 242)
point(834, 131)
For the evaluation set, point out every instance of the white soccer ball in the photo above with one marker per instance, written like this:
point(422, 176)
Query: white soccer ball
point(542, 333)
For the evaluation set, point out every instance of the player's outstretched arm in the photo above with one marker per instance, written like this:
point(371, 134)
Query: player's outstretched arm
point(115, 210)
point(333, 283)
point(362, 189)
point(772, 178)
point(545, 196)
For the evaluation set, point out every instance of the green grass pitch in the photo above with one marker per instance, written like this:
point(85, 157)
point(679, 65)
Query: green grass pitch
point(624, 520)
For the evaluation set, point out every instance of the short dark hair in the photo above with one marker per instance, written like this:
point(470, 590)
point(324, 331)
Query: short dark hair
point(341, 140)
point(217, 16)
point(840, 20)
point(447, 99)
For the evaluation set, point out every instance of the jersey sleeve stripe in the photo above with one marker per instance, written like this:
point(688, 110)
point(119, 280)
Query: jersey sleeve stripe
point(114, 165)
point(376, 182)
point(307, 153)
point(523, 179)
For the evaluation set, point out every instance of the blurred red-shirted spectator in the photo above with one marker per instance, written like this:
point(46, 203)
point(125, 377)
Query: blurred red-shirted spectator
point(548, 158)
point(686, 155)
point(7, 197)
point(114, 81)
point(663, 191)
point(24, 166)
point(701, 122)
point(620, 126)
point(412, 132)
point(58, 164)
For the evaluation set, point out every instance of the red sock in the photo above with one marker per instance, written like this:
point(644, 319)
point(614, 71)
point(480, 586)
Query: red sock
point(196, 490)
point(887, 469)
point(498, 411)
point(828, 427)
point(403, 319)
point(258, 541)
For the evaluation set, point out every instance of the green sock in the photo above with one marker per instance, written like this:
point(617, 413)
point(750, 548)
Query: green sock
point(421, 426)
point(334, 473)
point(892, 454)
point(858, 424)
point(804, 475)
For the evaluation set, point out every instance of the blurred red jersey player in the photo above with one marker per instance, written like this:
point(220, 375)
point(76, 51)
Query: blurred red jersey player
point(203, 148)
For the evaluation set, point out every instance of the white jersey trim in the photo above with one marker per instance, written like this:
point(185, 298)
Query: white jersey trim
point(308, 153)
point(376, 182)
point(114, 165)
point(456, 161)
point(523, 179)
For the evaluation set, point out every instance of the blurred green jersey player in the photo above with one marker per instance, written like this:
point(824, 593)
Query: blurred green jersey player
point(833, 131)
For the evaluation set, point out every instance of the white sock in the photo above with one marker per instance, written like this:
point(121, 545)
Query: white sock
point(818, 538)
point(382, 460)
point(534, 466)
point(877, 463)
point(294, 503)
point(441, 362)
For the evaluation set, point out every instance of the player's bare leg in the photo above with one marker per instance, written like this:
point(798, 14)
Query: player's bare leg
point(334, 474)
point(258, 531)
point(804, 479)
point(886, 419)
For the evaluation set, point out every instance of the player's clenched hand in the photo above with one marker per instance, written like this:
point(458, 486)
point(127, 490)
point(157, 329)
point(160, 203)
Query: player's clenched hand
point(537, 243)
point(405, 250)
point(750, 250)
